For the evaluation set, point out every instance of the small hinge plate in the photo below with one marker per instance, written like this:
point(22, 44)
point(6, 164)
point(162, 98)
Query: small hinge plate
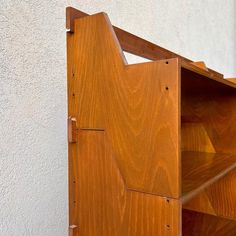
point(72, 130)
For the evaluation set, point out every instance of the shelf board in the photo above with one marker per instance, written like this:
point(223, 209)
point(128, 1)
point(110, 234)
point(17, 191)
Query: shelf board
point(195, 224)
point(200, 170)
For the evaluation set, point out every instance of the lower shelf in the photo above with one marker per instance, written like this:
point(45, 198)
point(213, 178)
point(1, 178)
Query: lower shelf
point(200, 170)
point(198, 224)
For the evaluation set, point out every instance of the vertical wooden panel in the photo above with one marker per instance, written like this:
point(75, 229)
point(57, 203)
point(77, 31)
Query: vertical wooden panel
point(105, 207)
point(130, 102)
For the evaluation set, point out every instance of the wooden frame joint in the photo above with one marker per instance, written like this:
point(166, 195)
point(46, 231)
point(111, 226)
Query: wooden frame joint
point(200, 64)
point(72, 130)
point(73, 230)
point(71, 15)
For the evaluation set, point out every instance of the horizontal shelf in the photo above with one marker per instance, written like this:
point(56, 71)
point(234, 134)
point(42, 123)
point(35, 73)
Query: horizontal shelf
point(200, 170)
point(198, 224)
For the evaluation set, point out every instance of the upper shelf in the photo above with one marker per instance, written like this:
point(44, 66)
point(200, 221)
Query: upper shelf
point(200, 170)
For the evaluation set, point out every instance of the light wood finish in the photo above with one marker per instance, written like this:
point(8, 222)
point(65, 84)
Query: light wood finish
point(144, 138)
point(130, 102)
point(216, 113)
point(219, 199)
point(104, 206)
point(195, 138)
point(73, 230)
point(138, 46)
point(200, 64)
point(201, 169)
point(231, 79)
point(197, 224)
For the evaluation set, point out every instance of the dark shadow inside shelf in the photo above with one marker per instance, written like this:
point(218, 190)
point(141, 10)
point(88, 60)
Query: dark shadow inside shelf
point(199, 224)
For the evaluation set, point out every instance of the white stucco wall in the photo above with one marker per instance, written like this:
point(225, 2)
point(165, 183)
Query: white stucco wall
point(33, 105)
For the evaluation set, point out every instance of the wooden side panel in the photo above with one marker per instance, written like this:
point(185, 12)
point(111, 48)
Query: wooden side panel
point(137, 106)
point(219, 199)
point(103, 204)
point(72, 147)
point(197, 224)
point(195, 138)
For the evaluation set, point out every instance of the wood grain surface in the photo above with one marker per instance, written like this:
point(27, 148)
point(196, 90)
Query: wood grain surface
point(197, 224)
point(141, 47)
point(216, 113)
point(201, 169)
point(219, 199)
point(102, 203)
point(130, 102)
point(146, 138)
point(195, 138)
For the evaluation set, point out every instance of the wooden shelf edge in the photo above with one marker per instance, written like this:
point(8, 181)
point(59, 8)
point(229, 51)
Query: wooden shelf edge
point(222, 167)
point(232, 80)
point(208, 74)
point(210, 215)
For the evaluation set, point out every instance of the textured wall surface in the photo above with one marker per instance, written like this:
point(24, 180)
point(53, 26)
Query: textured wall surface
point(33, 105)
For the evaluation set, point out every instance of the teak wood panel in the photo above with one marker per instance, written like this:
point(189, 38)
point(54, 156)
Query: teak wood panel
point(137, 105)
point(219, 199)
point(195, 138)
point(102, 203)
point(201, 169)
point(197, 224)
point(213, 116)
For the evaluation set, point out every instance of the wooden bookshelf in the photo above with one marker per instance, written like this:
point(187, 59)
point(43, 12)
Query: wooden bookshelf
point(152, 146)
